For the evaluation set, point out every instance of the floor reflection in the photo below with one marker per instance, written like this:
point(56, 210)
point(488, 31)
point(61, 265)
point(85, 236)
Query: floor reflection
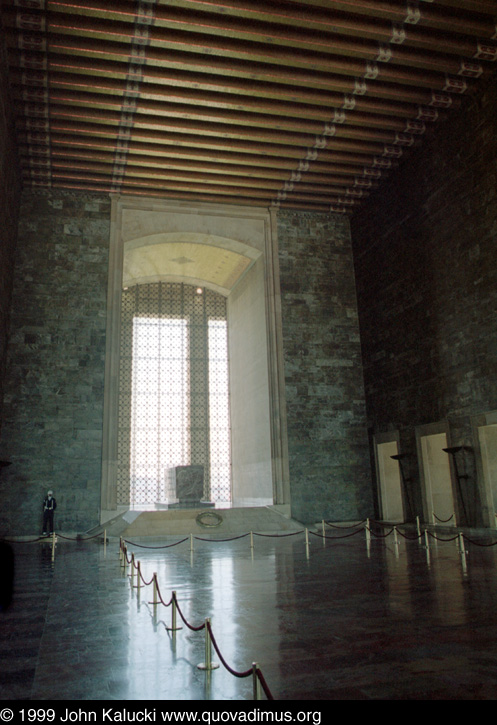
point(336, 622)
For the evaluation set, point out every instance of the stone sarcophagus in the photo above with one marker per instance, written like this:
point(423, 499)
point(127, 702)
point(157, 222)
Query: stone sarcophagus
point(185, 486)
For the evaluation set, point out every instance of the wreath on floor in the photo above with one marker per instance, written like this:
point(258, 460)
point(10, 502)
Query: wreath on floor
point(209, 519)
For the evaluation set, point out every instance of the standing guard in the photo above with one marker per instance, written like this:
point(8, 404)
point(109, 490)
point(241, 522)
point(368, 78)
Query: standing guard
point(49, 506)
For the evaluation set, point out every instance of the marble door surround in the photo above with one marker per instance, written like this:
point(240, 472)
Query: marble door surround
point(233, 250)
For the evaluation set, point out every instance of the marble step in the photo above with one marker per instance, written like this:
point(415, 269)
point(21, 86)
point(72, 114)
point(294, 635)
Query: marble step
point(201, 521)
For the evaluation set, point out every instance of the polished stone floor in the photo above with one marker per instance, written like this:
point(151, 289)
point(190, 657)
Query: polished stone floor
point(336, 620)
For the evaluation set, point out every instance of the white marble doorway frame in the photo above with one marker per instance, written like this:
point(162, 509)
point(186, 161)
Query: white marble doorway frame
point(259, 438)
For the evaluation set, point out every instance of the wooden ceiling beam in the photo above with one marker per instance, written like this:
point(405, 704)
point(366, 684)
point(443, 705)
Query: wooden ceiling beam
point(363, 125)
point(157, 128)
point(288, 22)
point(355, 14)
point(183, 98)
point(115, 57)
point(189, 196)
point(138, 174)
point(337, 174)
point(327, 162)
point(270, 82)
point(284, 103)
point(373, 7)
point(194, 186)
point(87, 135)
point(286, 46)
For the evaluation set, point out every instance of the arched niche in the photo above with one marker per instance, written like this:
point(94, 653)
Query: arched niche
point(233, 251)
point(205, 259)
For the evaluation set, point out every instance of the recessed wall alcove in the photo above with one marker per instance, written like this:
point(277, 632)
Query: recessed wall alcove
point(232, 250)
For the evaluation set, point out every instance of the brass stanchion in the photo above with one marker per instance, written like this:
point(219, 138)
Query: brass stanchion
point(132, 568)
point(256, 683)
point(462, 551)
point(173, 627)
point(208, 664)
point(156, 598)
point(396, 542)
point(53, 545)
point(427, 547)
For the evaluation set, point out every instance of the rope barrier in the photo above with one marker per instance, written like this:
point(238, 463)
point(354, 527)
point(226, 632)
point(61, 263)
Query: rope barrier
point(380, 523)
point(185, 621)
point(160, 596)
point(254, 670)
point(233, 672)
point(263, 683)
point(437, 538)
point(353, 526)
point(381, 536)
point(217, 541)
point(31, 541)
point(81, 537)
point(166, 546)
point(279, 536)
point(49, 538)
point(146, 583)
point(335, 538)
point(366, 525)
point(443, 521)
point(409, 538)
point(477, 543)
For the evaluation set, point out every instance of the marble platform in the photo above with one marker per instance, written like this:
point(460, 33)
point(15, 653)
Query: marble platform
point(183, 521)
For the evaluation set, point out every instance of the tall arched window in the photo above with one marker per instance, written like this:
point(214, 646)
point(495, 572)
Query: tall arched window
point(173, 391)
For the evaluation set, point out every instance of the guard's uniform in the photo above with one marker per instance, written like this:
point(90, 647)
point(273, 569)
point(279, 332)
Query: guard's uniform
point(49, 506)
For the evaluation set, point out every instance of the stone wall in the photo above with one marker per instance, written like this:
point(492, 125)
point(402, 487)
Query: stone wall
point(53, 400)
point(54, 392)
point(10, 189)
point(426, 270)
point(327, 434)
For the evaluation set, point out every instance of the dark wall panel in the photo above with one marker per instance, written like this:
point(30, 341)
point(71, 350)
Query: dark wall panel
point(10, 189)
point(327, 436)
point(54, 385)
point(426, 270)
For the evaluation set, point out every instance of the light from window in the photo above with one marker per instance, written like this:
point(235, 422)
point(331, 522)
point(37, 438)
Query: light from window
point(160, 406)
point(219, 411)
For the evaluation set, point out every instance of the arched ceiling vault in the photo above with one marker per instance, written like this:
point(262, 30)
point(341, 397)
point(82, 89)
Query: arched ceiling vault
point(200, 263)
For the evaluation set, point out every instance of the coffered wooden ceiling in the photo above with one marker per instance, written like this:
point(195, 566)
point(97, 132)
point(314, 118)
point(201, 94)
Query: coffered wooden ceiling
point(305, 104)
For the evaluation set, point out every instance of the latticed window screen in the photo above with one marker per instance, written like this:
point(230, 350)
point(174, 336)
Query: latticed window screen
point(174, 391)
